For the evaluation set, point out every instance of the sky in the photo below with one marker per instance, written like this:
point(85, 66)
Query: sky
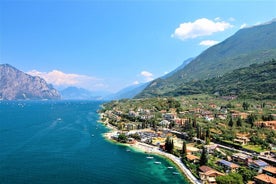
point(111, 44)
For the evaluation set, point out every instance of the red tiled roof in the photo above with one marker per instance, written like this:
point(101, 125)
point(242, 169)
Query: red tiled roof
point(266, 179)
point(209, 171)
point(270, 169)
point(192, 157)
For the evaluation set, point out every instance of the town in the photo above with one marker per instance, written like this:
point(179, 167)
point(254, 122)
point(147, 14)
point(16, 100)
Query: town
point(219, 139)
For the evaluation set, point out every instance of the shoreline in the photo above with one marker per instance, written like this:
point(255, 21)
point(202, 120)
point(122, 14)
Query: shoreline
point(146, 148)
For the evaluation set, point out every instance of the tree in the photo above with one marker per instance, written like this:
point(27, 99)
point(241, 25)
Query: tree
point(122, 138)
point(194, 123)
point(203, 157)
point(231, 123)
point(239, 122)
point(169, 145)
point(247, 174)
point(245, 106)
point(184, 149)
point(251, 119)
point(232, 178)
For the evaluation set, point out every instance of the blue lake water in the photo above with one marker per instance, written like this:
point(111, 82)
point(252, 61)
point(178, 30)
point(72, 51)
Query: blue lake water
point(61, 142)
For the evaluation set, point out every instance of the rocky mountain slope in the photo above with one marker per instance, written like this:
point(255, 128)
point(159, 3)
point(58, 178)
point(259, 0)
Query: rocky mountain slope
point(17, 85)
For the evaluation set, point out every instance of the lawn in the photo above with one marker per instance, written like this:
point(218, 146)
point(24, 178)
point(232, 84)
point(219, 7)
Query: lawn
point(256, 148)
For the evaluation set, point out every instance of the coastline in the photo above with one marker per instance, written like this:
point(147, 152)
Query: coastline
point(146, 148)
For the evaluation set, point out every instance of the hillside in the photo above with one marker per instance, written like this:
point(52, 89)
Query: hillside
point(17, 85)
point(248, 46)
point(257, 81)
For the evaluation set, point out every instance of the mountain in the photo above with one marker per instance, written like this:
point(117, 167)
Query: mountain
point(75, 93)
point(185, 63)
point(257, 81)
point(17, 85)
point(128, 92)
point(247, 46)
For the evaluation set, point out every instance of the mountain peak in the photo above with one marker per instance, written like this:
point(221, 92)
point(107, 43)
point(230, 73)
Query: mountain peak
point(15, 85)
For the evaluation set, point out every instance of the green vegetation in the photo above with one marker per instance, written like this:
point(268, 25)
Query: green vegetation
point(204, 157)
point(169, 145)
point(232, 178)
point(240, 50)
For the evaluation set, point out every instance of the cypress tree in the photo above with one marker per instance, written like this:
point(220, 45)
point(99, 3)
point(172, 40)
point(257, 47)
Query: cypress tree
point(203, 158)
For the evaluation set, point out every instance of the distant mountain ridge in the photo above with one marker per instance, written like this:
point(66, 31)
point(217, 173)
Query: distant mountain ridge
point(17, 85)
point(128, 92)
point(247, 46)
point(75, 93)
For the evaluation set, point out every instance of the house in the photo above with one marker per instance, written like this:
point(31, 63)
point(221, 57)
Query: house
point(270, 170)
point(258, 165)
point(192, 158)
point(164, 123)
point(242, 140)
point(211, 148)
point(228, 166)
point(267, 124)
point(264, 179)
point(208, 175)
point(241, 158)
point(169, 116)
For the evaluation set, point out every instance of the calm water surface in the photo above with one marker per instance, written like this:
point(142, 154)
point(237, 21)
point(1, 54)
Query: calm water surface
point(61, 142)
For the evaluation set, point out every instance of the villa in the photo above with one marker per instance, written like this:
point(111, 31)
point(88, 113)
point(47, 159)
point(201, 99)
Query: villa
point(208, 175)
point(228, 166)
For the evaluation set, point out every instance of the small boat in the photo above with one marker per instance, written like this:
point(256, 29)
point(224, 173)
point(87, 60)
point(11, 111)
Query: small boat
point(170, 167)
point(157, 162)
point(149, 157)
point(92, 135)
point(128, 150)
point(175, 173)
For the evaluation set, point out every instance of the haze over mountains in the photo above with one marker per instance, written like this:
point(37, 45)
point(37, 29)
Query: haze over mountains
point(248, 46)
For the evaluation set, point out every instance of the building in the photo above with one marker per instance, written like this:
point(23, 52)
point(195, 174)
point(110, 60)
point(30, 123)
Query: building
point(192, 158)
point(267, 124)
point(228, 166)
point(264, 179)
point(270, 170)
point(208, 175)
point(241, 158)
point(258, 165)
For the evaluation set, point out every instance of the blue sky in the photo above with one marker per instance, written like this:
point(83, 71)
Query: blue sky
point(108, 45)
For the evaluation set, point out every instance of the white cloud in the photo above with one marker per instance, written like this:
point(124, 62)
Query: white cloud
point(208, 43)
point(231, 19)
point(61, 79)
point(217, 19)
point(147, 76)
point(198, 28)
point(243, 26)
point(136, 83)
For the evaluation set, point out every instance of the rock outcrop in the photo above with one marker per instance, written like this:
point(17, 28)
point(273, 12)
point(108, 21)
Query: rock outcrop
point(17, 85)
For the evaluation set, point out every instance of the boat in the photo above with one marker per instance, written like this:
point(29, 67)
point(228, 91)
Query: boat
point(128, 150)
point(157, 162)
point(92, 135)
point(170, 167)
point(149, 157)
point(175, 173)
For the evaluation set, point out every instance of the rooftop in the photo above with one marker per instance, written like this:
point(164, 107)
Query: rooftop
point(266, 179)
point(270, 169)
point(228, 164)
point(260, 163)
